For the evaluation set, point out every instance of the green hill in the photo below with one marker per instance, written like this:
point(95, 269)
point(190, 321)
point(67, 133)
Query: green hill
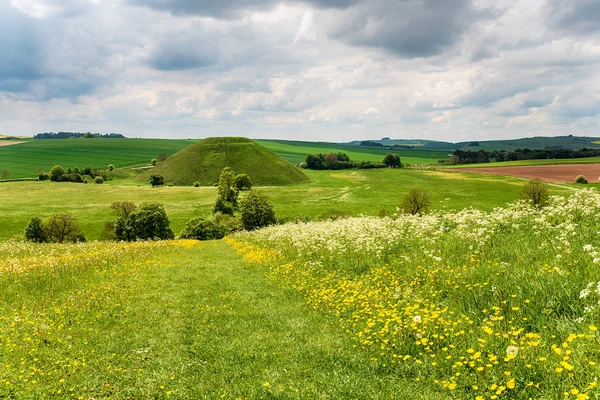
point(203, 162)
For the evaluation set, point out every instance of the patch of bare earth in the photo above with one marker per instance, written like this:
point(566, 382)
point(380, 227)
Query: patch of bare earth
point(558, 173)
point(8, 143)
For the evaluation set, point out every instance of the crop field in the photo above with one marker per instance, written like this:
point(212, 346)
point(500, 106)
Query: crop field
point(26, 159)
point(475, 305)
point(295, 152)
point(550, 173)
point(526, 163)
point(350, 192)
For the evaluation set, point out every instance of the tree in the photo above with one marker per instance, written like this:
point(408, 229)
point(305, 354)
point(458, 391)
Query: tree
point(89, 135)
point(392, 160)
point(201, 229)
point(34, 232)
point(157, 180)
point(416, 202)
point(154, 161)
point(150, 222)
point(257, 212)
point(111, 167)
point(243, 182)
point(61, 228)
point(99, 180)
point(57, 173)
point(535, 191)
point(227, 190)
point(330, 161)
point(123, 209)
point(162, 156)
point(42, 176)
point(581, 179)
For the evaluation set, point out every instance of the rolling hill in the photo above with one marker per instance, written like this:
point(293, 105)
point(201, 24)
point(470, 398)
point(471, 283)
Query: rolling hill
point(204, 161)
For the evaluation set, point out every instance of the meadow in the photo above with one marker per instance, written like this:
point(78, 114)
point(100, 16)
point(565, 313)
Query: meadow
point(350, 192)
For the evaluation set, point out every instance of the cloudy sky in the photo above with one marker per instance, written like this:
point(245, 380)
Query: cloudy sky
point(331, 70)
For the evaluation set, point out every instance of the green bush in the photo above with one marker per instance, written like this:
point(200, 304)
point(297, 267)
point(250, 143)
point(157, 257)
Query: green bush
point(157, 180)
point(581, 179)
point(111, 167)
point(416, 202)
point(57, 173)
point(154, 161)
point(34, 232)
point(201, 229)
point(257, 212)
point(147, 222)
point(196, 184)
point(223, 207)
point(99, 180)
point(42, 176)
point(243, 182)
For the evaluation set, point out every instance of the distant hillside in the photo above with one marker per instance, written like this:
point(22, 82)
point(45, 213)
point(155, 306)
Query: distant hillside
point(204, 161)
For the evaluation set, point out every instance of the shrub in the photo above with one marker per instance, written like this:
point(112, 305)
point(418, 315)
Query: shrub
point(201, 229)
point(196, 184)
point(57, 173)
point(392, 160)
point(223, 207)
point(62, 228)
point(257, 212)
point(243, 182)
point(581, 179)
point(304, 165)
point(416, 202)
point(148, 222)
point(227, 222)
point(99, 180)
point(42, 176)
point(228, 191)
point(34, 232)
point(535, 191)
point(111, 167)
point(154, 161)
point(157, 180)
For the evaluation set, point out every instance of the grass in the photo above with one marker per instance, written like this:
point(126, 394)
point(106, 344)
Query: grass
point(296, 152)
point(26, 159)
point(183, 320)
point(204, 161)
point(476, 305)
point(351, 192)
point(524, 163)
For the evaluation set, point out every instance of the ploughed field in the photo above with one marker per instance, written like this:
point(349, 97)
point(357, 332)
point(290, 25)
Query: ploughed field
point(558, 173)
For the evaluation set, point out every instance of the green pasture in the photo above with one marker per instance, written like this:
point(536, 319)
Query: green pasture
point(26, 159)
point(352, 192)
point(296, 152)
point(523, 163)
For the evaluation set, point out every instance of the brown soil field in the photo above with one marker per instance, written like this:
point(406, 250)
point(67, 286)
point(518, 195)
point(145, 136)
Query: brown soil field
point(558, 173)
point(8, 143)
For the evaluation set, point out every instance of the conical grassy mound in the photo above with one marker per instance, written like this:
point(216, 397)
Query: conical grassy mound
point(203, 162)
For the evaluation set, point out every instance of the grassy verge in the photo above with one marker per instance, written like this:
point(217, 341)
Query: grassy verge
point(169, 320)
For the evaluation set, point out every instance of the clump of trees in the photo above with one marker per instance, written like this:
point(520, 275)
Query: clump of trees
point(58, 228)
point(581, 179)
point(257, 212)
point(67, 135)
point(78, 174)
point(228, 192)
point(149, 221)
point(416, 202)
point(335, 161)
point(483, 156)
point(536, 192)
point(392, 160)
point(157, 180)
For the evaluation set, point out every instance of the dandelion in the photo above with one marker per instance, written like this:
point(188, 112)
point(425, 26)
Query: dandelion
point(512, 351)
point(417, 318)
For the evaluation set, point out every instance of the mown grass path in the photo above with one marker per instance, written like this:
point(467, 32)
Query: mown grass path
point(200, 323)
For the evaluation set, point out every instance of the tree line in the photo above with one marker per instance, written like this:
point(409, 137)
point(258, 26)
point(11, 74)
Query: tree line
point(484, 156)
point(335, 161)
point(68, 135)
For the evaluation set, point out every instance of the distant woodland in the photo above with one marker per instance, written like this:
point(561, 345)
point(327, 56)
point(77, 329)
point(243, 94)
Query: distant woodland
point(68, 135)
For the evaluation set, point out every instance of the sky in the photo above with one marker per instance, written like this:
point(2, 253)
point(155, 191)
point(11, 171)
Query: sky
point(318, 70)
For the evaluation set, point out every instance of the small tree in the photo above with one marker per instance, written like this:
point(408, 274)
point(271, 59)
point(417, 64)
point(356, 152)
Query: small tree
point(416, 202)
point(123, 209)
point(392, 160)
point(34, 232)
point(201, 229)
point(162, 156)
point(157, 180)
point(243, 182)
point(42, 176)
point(257, 212)
point(228, 192)
point(535, 191)
point(581, 179)
point(150, 221)
point(154, 161)
point(57, 173)
point(62, 228)
point(99, 180)
point(111, 167)
point(330, 161)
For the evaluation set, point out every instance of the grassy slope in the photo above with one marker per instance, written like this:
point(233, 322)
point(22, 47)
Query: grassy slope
point(534, 143)
point(25, 159)
point(354, 192)
point(588, 160)
point(221, 330)
point(204, 161)
point(296, 152)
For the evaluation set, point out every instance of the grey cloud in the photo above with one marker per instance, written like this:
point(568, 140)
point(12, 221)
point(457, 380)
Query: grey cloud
point(20, 50)
point(579, 16)
point(409, 28)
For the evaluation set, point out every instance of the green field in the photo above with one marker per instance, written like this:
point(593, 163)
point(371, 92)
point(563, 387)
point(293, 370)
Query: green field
point(351, 192)
point(523, 163)
point(295, 152)
point(26, 159)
